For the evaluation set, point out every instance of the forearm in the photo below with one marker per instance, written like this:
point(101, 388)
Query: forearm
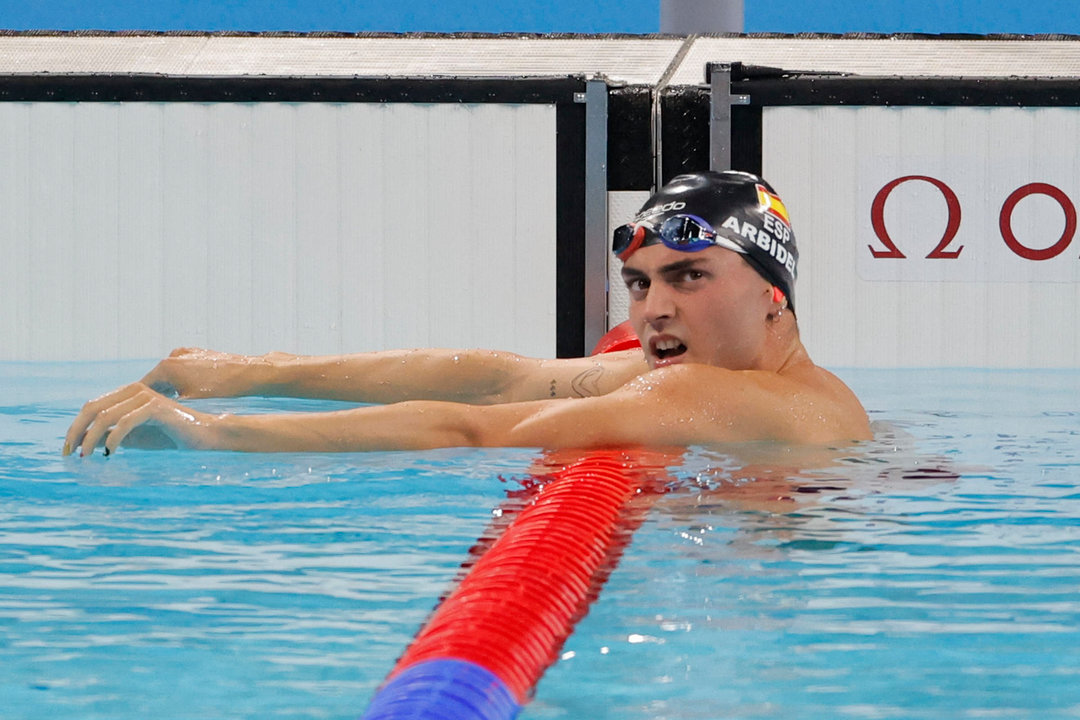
point(467, 376)
point(415, 425)
point(470, 376)
point(478, 377)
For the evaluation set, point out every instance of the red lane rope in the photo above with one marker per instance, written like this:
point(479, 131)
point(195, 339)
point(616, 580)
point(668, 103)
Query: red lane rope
point(514, 609)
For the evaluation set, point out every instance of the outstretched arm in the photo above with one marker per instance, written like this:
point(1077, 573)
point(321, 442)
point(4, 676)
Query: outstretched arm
point(137, 414)
point(468, 376)
point(676, 406)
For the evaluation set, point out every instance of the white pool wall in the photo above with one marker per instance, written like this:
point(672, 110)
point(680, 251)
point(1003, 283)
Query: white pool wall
point(127, 229)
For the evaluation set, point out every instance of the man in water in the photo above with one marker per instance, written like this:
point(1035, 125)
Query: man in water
point(710, 263)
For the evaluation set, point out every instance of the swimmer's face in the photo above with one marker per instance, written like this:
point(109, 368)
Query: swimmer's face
point(706, 307)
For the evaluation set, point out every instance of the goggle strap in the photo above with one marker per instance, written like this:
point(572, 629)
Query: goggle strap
point(635, 242)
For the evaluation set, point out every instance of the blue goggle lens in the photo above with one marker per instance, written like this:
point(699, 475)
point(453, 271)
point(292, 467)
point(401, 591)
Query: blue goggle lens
point(687, 233)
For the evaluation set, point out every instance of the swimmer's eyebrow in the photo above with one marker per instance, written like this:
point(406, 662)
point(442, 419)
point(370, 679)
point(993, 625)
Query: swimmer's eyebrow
point(671, 268)
point(680, 266)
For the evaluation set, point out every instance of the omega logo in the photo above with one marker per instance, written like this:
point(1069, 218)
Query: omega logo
point(942, 250)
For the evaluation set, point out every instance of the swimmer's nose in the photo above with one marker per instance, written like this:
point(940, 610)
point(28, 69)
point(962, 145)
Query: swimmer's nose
point(659, 305)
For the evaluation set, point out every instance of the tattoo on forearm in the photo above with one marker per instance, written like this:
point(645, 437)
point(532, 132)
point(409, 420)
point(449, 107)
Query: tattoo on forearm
point(587, 384)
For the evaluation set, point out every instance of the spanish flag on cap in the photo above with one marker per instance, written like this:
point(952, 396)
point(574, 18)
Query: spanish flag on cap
point(772, 204)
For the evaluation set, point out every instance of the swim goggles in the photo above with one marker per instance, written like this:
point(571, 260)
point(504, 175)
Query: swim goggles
point(687, 233)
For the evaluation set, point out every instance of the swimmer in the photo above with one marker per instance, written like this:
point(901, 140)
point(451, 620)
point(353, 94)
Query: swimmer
point(710, 263)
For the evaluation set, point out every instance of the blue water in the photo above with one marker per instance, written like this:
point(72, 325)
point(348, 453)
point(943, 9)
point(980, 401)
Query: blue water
point(932, 573)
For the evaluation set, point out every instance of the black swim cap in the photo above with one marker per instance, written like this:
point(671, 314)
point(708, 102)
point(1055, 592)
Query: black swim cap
point(742, 210)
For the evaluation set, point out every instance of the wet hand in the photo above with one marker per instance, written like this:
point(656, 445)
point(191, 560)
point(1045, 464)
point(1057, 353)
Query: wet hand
point(138, 416)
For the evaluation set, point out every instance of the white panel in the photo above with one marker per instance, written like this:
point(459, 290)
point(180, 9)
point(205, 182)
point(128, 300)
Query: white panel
point(130, 228)
point(363, 216)
point(318, 228)
point(273, 221)
point(142, 198)
point(16, 270)
point(54, 271)
point(483, 244)
point(443, 235)
point(988, 306)
point(466, 227)
point(410, 231)
point(622, 206)
point(185, 228)
point(230, 224)
point(96, 253)
point(533, 306)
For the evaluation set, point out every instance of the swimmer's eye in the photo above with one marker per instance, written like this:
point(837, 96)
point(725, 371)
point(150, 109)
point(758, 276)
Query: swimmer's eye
point(685, 277)
point(637, 286)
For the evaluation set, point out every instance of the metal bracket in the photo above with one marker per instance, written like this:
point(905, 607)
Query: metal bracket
point(720, 101)
point(595, 98)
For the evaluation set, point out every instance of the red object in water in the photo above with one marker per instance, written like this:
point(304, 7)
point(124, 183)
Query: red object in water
point(620, 337)
point(520, 601)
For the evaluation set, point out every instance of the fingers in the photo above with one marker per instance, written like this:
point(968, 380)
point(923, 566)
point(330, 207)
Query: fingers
point(111, 418)
point(137, 413)
point(89, 411)
point(175, 376)
point(92, 412)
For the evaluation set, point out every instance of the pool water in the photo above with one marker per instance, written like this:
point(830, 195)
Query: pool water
point(931, 573)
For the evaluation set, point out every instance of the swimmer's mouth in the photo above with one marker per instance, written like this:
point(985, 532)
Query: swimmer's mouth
point(667, 348)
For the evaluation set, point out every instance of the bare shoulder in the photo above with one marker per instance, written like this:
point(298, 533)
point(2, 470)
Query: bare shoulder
point(844, 409)
point(807, 404)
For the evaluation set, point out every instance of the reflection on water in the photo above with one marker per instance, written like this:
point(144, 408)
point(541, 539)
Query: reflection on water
point(930, 573)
